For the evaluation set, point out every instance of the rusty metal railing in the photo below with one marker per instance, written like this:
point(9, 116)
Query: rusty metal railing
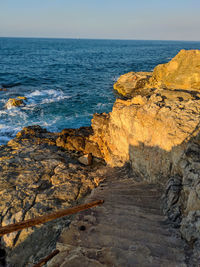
point(46, 218)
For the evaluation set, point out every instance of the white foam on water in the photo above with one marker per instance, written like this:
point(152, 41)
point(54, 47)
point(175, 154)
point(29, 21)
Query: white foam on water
point(102, 105)
point(45, 97)
point(3, 112)
point(8, 132)
point(85, 114)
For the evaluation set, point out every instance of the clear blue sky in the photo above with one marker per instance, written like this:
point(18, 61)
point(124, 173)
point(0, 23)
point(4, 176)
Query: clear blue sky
point(112, 19)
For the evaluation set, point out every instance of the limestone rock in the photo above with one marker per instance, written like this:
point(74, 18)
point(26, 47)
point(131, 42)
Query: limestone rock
point(149, 134)
point(182, 72)
point(130, 82)
point(15, 102)
point(38, 177)
point(86, 159)
point(127, 230)
point(78, 140)
point(159, 135)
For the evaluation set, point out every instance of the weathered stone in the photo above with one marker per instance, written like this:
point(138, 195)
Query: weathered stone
point(15, 102)
point(159, 134)
point(150, 134)
point(130, 82)
point(127, 230)
point(93, 148)
point(37, 177)
point(182, 72)
point(86, 159)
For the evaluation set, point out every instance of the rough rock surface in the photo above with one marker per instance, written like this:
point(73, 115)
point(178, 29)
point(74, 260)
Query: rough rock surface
point(129, 229)
point(157, 131)
point(130, 83)
point(86, 159)
point(78, 140)
point(15, 102)
point(159, 135)
point(37, 177)
point(182, 72)
point(151, 132)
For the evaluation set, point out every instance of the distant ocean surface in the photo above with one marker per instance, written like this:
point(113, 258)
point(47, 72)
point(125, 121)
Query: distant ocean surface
point(67, 80)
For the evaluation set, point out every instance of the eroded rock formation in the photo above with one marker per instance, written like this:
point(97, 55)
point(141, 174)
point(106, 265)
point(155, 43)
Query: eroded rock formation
point(15, 102)
point(38, 177)
point(182, 72)
point(131, 83)
point(158, 133)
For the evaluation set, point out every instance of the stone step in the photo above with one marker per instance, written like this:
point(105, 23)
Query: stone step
point(128, 230)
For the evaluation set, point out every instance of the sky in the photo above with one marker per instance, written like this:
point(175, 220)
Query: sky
point(101, 19)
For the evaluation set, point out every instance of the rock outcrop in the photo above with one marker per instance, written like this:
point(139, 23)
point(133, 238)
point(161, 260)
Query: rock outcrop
point(131, 83)
point(182, 72)
point(15, 102)
point(78, 140)
point(38, 177)
point(151, 131)
point(3, 89)
point(159, 133)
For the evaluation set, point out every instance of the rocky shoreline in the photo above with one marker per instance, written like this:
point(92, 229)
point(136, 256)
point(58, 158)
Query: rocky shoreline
point(38, 177)
point(155, 130)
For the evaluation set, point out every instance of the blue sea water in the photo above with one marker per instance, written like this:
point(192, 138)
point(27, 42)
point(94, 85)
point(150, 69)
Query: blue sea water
point(67, 80)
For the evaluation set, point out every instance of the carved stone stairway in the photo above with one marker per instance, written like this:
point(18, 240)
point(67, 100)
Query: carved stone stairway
point(128, 230)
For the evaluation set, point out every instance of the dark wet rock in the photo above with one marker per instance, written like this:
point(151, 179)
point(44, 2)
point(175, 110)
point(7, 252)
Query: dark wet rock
point(3, 89)
point(15, 102)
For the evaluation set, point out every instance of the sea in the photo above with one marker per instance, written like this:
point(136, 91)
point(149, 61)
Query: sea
point(65, 81)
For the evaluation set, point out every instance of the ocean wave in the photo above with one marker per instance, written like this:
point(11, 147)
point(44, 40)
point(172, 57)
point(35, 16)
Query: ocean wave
point(14, 112)
point(46, 96)
point(103, 105)
point(8, 132)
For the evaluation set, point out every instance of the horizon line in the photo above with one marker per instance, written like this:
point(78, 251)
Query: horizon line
point(88, 38)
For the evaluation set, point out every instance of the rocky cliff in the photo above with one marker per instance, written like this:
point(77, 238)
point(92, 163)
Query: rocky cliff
point(158, 132)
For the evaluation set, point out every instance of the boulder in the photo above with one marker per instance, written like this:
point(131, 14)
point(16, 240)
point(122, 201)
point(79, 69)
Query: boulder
point(182, 72)
point(130, 83)
point(15, 102)
point(86, 159)
point(78, 140)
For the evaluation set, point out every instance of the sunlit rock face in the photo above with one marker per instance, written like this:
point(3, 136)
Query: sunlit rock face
point(182, 72)
point(131, 83)
point(156, 130)
point(158, 134)
point(151, 130)
point(36, 178)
